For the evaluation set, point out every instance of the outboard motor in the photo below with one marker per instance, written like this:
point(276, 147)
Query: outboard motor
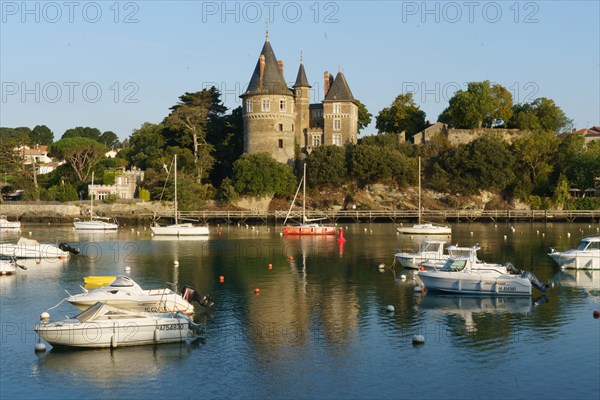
point(67, 247)
point(190, 294)
point(535, 281)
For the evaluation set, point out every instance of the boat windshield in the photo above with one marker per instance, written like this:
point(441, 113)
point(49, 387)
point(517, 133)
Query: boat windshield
point(583, 245)
point(431, 246)
point(453, 265)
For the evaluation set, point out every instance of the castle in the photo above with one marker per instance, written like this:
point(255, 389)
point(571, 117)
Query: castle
point(281, 121)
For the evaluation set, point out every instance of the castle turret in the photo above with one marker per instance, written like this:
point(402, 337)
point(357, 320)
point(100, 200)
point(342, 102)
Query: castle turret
point(302, 97)
point(268, 109)
point(340, 113)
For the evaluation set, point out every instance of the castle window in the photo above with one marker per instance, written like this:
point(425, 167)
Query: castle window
point(266, 105)
point(337, 140)
point(316, 140)
point(249, 105)
point(337, 124)
point(337, 108)
point(292, 127)
point(281, 143)
point(282, 105)
point(280, 127)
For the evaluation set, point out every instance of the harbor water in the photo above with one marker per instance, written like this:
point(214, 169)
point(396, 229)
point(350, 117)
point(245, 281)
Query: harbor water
point(306, 317)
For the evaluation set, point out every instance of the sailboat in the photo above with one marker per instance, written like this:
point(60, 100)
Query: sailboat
point(307, 227)
point(424, 228)
point(95, 223)
point(177, 229)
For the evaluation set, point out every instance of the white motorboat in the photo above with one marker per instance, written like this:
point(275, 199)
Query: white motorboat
point(123, 292)
point(95, 223)
point(432, 251)
point(177, 229)
point(103, 325)
point(6, 224)
point(467, 275)
point(586, 256)
point(29, 248)
point(424, 228)
point(8, 267)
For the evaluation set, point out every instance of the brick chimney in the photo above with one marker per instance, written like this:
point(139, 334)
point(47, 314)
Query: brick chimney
point(325, 83)
point(280, 63)
point(262, 66)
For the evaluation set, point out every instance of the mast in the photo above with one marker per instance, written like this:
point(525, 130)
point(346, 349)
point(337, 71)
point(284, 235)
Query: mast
point(91, 198)
point(175, 198)
point(304, 195)
point(419, 211)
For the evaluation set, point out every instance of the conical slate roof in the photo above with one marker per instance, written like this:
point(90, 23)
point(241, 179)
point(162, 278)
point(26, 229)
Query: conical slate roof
point(301, 79)
point(339, 91)
point(272, 81)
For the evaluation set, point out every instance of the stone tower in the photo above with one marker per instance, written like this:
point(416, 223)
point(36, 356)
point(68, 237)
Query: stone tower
point(340, 113)
point(268, 109)
point(302, 97)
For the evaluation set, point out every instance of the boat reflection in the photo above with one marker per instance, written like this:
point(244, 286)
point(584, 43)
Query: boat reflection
point(107, 368)
point(313, 246)
point(588, 280)
point(166, 238)
point(469, 305)
point(42, 266)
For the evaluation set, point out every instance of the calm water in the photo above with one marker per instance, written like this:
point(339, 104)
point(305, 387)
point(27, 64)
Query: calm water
point(319, 327)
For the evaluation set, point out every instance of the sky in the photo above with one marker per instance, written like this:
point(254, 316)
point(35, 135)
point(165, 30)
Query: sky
point(114, 65)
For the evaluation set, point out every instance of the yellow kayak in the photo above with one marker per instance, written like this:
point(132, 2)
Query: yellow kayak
point(98, 280)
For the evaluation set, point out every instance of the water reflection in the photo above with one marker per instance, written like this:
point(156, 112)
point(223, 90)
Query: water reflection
point(587, 280)
point(109, 368)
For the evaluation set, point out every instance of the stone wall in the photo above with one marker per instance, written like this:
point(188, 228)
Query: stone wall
point(464, 136)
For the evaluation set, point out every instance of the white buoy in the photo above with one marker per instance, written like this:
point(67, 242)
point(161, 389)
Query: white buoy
point(471, 233)
point(568, 234)
point(39, 347)
point(127, 269)
point(504, 237)
point(175, 262)
point(418, 339)
point(403, 277)
point(29, 233)
point(390, 308)
point(280, 233)
point(381, 266)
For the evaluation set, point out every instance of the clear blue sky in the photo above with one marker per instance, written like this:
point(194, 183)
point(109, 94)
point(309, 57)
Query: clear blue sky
point(115, 65)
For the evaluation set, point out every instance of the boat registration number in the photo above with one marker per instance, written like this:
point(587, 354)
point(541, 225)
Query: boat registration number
point(507, 289)
point(170, 327)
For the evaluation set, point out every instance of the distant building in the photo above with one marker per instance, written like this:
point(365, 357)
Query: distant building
point(591, 134)
point(125, 187)
point(280, 120)
point(39, 156)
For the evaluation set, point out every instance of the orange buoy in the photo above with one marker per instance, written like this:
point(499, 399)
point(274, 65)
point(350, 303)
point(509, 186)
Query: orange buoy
point(290, 258)
point(421, 268)
point(221, 279)
point(256, 290)
point(270, 266)
point(341, 238)
point(596, 314)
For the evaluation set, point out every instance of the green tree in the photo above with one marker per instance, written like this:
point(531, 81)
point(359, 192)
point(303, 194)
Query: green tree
point(370, 164)
point(402, 115)
point(364, 116)
point(226, 135)
point(187, 125)
point(41, 134)
point(79, 152)
point(541, 114)
point(561, 191)
point(536, 152)
point(19, 135)
point(109, 139)
point(84, 132)
point(146, 147)
point(326, 165)
point(481, 105)
point(260, 175)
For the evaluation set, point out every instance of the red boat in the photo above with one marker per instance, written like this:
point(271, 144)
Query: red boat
point(306, 228)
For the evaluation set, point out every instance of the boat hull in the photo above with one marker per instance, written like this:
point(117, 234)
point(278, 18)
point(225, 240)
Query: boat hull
point(475, 283)
point(425, 229)
point(576, 259)
point(7, 267)
point(180, 230)
point(38, 251)
point(309, 230)
point(95, 225)
point(117, 333)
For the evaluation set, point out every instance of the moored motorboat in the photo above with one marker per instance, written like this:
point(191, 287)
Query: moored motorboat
point(29, 248)
point(6, 224)
point(467, 275)
point(123, 292)
point(432, 251)
point(98, 280)
point(103, 325)
point(8, 267)
point(586, 256)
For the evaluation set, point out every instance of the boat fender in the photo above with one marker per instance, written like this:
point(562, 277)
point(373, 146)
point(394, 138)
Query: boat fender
point(156, 335)
point(113, 342)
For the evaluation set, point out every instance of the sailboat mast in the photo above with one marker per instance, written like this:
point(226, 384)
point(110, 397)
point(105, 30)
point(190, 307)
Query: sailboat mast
point(91, 198)
point(304, 195)
point(419, 211)
point(175, 197)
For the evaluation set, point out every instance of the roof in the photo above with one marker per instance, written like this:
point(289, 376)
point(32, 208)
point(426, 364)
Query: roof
point(339, 91)
point(272, 81)
point(301, 79)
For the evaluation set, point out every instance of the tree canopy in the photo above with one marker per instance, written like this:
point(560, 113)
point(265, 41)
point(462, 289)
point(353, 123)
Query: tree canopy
point(79, 152)
point(541, 114)
point(260, 174)
point(364, 116)
point(402, 115)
